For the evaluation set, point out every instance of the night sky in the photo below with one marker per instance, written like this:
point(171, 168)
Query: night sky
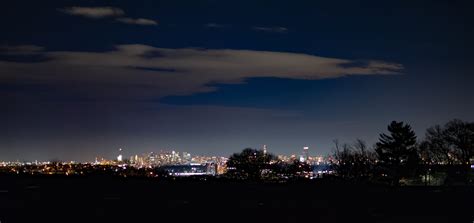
point(80, 79)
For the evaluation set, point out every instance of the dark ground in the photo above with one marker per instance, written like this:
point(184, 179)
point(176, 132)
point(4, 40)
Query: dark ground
point(106, 199)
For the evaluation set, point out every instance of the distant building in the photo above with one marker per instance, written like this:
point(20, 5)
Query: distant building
point(119, 157)
point(305, 153)
point(191, 170)
point(186, 158)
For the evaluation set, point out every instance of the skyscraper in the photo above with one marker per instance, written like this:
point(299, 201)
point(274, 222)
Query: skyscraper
point(306, 153)
point(119, 157)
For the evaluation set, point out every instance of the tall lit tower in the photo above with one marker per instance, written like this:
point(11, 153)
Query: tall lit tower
point(264, 150)
point(119, 157)
point(306, 153)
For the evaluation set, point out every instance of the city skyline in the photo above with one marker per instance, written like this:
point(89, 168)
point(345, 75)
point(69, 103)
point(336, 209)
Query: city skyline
point(122, 154)
point(83, 78)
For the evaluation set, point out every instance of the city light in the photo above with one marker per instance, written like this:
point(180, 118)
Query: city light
point(174, 163)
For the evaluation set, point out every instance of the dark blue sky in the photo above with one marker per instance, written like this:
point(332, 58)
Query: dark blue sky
point(80, 79)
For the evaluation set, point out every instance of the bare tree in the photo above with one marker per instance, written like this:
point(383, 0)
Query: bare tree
point(353, 161)
point(451, 144)
point(450, 147)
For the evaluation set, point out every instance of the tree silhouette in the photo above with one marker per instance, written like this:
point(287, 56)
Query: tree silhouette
point(298, 168)
point(344, 159)
point(397, 152)
point(353, 161)
point(460, 136)
point(435, 147)
point(291, 170)
point(451, 146)
point(250, 164)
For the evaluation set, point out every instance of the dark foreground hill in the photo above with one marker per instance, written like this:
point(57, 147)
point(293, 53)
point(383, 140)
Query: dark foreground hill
point(106, 199)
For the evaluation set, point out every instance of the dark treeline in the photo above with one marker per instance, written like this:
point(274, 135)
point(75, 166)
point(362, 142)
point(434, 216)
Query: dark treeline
point(444, 156)
point(256, 165)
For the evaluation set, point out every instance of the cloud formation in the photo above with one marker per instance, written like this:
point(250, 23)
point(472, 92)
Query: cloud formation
point(276, 29)
point(102, 12)
point(94, 12)
point(139, 21)
point(214, 25)
point(142, 72)
point(20, 49)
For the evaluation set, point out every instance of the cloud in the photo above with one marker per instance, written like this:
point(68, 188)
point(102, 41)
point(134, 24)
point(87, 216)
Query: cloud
point(20, 49)
point(93, 12)
point(102, 12)
point(142, 72)
point(276, 29)
point(139, 21)
point(384, 65)
point(214, 25)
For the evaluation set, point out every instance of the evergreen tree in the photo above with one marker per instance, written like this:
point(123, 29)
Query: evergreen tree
point(397, 152)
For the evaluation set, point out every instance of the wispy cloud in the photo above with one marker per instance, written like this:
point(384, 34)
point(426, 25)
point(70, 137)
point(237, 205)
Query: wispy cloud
point(276, 29)
point(150, 72)
point(20, 49)
point(103, 12)
point(139, 21)
point(93, 12)
point(214, 25)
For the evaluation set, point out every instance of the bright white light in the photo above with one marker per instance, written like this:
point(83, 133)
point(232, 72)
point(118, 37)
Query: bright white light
point(301, 159)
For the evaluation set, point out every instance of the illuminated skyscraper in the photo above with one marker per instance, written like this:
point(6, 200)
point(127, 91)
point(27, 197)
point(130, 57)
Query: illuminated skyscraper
point(186, 157)
point(305, 153)
point(119, 157)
